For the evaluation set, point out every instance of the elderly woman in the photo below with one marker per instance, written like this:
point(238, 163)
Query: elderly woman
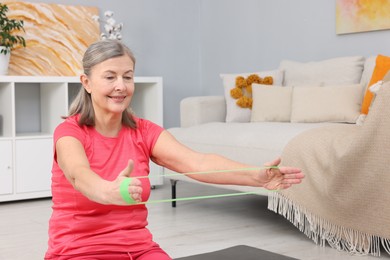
point(98, 147)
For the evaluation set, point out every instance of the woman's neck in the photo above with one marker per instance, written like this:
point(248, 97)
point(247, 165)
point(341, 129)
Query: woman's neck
point(109, 125)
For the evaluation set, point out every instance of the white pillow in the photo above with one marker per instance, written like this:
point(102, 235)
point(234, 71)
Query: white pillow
point(369, 66)
point(337, 71)
point(307, 86)
point(326, 104)
point(271, 103)
point(234, 113)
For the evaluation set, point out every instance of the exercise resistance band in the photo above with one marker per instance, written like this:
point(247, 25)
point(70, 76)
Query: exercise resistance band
point(129, 200)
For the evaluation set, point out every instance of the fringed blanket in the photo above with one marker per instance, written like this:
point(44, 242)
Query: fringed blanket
point(345, 197)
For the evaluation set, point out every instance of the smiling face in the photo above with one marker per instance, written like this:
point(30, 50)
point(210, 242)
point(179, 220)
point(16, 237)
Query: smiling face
point(111, 85)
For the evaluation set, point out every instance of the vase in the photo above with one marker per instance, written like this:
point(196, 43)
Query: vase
point(4, 61)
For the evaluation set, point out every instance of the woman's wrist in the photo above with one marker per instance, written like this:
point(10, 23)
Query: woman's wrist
point(100, 192)
point(258, 177)
point(106, 194)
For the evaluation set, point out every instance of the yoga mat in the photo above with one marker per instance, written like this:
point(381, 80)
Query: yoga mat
point(240, 252)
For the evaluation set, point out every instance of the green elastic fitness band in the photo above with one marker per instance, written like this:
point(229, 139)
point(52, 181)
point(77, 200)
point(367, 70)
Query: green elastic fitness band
point(125, 192)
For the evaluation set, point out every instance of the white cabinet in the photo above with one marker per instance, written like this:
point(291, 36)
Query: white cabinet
point(6, 167)
point(30, 109)
point(33, 165)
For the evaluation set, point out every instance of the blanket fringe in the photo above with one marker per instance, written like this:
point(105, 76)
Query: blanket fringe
point(322, 231)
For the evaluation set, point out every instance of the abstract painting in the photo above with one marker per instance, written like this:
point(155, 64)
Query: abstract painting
point(56, 38)
point(362, 15)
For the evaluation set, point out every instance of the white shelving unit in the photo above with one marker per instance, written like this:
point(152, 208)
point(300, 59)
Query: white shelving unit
point(30, 110)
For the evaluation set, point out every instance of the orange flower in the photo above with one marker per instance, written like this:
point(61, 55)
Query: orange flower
point(236, 93)
point(253, 78)
point(249, 89)
point(244, 102)
point(268, 81)
point(240, 82)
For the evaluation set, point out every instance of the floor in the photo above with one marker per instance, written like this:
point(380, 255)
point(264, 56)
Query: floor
point(192, 227)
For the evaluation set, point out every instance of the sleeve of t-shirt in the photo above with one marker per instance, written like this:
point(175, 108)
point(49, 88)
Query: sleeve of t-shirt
point(150, 133)
point(71, 128)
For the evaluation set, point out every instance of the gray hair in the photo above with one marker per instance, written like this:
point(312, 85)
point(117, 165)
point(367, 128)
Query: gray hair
point(97, 53)
point(104, 50)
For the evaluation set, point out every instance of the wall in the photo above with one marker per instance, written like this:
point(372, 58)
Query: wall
point(253, 35)
point(190, 42)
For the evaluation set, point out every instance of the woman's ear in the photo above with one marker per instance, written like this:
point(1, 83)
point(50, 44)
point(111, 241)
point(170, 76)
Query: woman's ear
point(85, 82)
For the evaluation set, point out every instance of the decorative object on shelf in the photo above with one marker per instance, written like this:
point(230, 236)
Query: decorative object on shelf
point(56, 35)
point(362, 16)
point(8, 39)
point(113, 29)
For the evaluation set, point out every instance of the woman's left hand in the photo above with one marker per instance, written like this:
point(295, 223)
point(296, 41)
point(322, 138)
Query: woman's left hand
point(279, 178)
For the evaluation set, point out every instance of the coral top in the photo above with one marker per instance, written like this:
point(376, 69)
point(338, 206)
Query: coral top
point(78, 225)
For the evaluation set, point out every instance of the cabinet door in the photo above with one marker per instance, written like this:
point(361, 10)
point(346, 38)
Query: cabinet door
point(6, 186)
point(33, 162)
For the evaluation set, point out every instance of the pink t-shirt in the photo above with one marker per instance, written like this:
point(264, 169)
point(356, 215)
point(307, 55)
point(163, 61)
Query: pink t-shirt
point(79, 225)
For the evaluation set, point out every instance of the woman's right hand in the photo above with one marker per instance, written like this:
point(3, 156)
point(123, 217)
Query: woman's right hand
point(134, 189)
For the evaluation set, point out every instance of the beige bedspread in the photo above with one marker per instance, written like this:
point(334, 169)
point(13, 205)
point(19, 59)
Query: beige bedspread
point(345, 198)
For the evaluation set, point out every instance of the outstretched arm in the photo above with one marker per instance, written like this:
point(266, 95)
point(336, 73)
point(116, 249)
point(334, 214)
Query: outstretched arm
point(171, 154)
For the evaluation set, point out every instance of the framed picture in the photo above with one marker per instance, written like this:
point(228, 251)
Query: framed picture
point(56, 38)
point(362, 15)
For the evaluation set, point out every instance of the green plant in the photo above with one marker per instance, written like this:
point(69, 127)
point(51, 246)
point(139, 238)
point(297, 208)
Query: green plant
point(7, 28)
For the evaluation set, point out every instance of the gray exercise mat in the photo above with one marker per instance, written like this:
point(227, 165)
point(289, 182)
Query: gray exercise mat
point(240, 252)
